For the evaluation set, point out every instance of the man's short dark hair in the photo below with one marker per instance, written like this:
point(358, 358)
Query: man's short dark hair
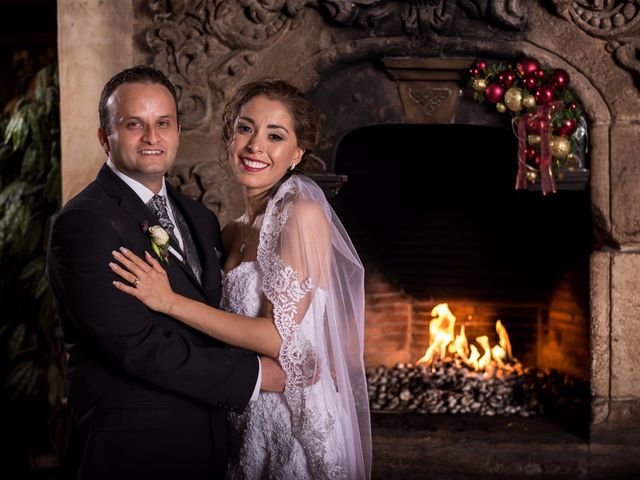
point(137, 74)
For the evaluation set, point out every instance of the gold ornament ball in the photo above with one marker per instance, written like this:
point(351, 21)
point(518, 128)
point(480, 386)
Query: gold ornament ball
point(513, 99)
point(560, 146)
point(501, 107)
point(479, 84)
point(532, 176)
point(533, 139)
point(528, 101)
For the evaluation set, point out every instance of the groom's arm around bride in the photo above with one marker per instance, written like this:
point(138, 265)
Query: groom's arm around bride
point(147, 394)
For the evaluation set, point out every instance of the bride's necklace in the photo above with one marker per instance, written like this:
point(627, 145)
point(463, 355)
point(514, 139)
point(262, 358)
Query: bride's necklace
point(244, 238)
point(244, 221)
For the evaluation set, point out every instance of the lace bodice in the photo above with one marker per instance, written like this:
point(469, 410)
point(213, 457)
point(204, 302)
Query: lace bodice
point(241, 290)
point(262, 439)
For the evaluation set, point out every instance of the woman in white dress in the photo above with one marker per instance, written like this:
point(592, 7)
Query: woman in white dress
point(296, 285)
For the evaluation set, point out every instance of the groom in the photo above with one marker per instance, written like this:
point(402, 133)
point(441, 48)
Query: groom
point(148, 396)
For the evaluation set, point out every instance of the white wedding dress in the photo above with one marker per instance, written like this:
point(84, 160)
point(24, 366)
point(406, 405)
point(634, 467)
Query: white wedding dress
point(319, 427)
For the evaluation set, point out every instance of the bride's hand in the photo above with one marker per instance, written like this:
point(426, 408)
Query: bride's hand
point(148, 280)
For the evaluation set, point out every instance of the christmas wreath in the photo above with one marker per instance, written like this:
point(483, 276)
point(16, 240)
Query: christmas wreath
point(547, 116)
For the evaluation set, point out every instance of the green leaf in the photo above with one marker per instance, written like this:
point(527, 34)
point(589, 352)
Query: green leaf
point(34, 268)
point(42, 286)
point(13, 189)
point(52, 186)
point(30, 160)
point(41, 84)
point(16, 340)
point(156, 249)
point(23, 379)
point(17, 131)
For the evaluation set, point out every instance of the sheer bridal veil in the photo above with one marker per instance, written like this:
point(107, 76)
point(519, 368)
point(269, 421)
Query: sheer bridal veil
point(315, 281)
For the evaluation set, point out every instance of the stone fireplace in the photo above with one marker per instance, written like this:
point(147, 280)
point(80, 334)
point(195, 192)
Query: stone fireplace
point(399, 63)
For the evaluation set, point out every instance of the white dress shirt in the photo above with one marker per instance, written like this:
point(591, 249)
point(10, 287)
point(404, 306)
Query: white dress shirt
point(145, 195)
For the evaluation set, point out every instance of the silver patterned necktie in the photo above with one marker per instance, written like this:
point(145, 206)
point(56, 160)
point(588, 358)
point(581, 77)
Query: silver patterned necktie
point(158, 204)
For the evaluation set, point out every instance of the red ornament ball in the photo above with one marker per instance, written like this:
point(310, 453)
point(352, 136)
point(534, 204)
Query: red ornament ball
point(573, 106)
point(530, 153)
point(539, 74)
point(494, 93)
point(559, 79)
point(544, 95)
point(481, 65)
point(536, 124)
point(507, 78)
point(527, 66)
point(474, 72)
point(537, 160)
point(529, 82)
point(567, 127)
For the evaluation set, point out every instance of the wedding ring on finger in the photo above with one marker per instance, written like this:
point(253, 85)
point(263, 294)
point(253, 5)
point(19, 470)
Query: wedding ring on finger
point(136, 281)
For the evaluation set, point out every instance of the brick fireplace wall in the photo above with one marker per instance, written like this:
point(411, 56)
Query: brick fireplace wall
point(564, 331)
point(553, 335)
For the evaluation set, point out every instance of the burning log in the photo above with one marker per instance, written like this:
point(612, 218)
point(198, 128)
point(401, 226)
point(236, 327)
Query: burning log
point(453, 387)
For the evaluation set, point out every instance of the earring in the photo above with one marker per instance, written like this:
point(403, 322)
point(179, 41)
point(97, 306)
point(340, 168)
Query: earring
point(293, 165)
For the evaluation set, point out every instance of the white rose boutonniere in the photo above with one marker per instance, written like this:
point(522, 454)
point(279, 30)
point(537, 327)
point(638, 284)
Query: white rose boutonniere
point(160, 240)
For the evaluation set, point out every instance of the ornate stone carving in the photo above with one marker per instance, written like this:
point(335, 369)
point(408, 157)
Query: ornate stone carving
point(601, 18)
point(205, 46)
point(416, 17)
point(429, 99)
point(252, 24)
point(617, 21)
point(205, 182)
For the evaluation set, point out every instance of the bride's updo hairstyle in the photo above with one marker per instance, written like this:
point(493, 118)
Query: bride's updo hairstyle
point(305, 116)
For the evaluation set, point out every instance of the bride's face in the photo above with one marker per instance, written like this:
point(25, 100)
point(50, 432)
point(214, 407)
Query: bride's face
point(264, 144)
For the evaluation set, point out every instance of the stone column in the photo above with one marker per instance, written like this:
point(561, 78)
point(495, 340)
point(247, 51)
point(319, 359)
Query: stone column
point(95, 40)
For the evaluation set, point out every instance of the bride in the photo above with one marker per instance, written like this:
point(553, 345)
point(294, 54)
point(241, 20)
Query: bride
point(294, 287)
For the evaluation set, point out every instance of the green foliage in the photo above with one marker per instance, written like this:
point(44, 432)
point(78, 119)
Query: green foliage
point(29, 197)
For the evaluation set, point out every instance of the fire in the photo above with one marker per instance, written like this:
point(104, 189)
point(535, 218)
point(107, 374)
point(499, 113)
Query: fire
point(443, 341)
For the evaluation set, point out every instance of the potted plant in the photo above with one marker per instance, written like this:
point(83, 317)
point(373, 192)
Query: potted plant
point(34, 386)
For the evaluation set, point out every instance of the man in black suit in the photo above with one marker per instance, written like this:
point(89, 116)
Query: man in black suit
point(148, 395)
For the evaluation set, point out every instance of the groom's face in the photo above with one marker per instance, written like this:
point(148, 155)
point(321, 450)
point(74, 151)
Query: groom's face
point(144, 132)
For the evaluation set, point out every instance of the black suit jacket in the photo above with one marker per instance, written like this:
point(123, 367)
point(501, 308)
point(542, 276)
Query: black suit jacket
point(147, 394)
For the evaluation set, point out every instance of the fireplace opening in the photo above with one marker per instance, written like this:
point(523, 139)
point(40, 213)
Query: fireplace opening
point(434, 215)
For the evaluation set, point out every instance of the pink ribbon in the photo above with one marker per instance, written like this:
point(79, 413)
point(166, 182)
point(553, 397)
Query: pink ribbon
point(521, 176)
point(543, 112)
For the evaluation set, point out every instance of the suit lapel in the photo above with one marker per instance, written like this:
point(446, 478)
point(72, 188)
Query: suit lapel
point(134, 206)
point(125, 197)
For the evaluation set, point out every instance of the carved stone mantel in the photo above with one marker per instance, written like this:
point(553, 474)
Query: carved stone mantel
point(210, 47)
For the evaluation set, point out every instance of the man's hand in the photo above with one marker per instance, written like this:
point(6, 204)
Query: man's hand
point(272, 375)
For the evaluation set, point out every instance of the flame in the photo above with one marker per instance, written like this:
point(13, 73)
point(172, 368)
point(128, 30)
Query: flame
point(440, 332)
point(442, 340)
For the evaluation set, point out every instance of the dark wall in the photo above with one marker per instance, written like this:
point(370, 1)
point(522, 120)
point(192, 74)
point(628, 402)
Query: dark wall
point(27, 41)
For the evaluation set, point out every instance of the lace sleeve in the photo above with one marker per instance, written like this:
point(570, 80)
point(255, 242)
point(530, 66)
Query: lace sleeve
point(294, 255)
point(315, 282)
